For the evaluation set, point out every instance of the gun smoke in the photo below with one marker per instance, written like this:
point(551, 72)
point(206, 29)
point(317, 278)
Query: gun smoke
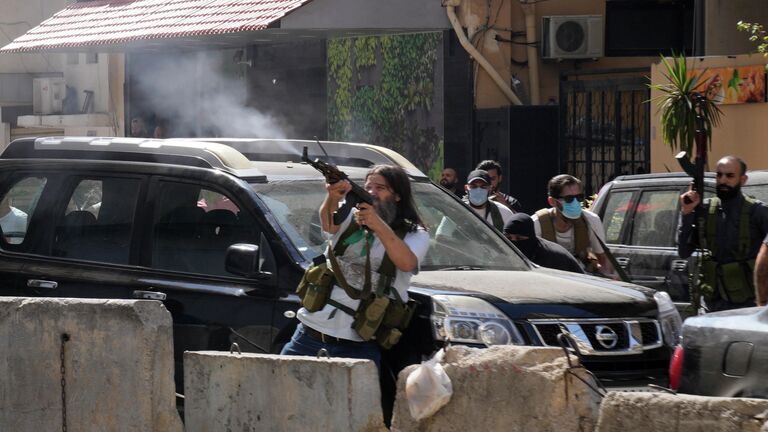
point(196, 97)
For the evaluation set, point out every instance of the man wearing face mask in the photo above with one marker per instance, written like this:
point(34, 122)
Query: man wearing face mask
point(572, 227)
point(520, 231)
point(732, 227)
point(478, 190)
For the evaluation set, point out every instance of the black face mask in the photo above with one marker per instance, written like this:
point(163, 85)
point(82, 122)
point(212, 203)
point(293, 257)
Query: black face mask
point(522, 224)
point(725, 192)
point(527, 247)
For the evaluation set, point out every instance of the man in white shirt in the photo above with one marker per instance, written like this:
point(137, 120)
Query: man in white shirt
point(13, 222)
point(375, 235)
point(478, 190)
point(572, 227)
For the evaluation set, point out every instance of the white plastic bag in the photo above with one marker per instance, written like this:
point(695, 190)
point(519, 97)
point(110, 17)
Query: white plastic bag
point(428, 387)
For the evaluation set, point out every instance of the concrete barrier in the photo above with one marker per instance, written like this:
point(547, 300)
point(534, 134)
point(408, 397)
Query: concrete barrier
point(662, 412)
point(228, 392)
point(113, 369)
point(509, 388)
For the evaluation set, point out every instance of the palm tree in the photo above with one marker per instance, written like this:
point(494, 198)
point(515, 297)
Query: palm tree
point(688, 117)
point(684, 108)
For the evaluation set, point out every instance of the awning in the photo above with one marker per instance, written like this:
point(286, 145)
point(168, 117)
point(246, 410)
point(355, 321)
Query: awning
point(154, 25)
point(127, 23)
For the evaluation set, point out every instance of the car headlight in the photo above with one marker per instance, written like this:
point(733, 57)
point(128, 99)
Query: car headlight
point(464, 319)
point(671, 323)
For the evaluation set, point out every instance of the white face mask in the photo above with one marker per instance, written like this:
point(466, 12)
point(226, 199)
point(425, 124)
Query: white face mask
point(478, 196)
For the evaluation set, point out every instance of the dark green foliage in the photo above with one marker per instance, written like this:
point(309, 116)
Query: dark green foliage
point(380, 91)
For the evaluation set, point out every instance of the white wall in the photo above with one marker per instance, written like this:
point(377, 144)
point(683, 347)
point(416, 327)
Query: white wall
point(18, 16)
point(90, 76)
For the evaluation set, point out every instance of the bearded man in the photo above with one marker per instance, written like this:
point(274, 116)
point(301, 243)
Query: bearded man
point(383, 245)
point(731, 227)
point(450, 180)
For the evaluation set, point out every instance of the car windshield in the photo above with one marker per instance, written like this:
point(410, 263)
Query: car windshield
point(458, 239)
point(758, 191)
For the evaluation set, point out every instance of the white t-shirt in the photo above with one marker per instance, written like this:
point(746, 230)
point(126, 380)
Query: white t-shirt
point(566, 239)
point(506, 213)
point(337, 323)
point(15, 221)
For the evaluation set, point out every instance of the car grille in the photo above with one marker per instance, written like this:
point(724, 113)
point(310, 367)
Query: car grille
point(602, 336)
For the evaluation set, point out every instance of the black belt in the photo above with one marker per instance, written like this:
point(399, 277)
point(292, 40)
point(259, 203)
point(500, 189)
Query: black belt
point(324, 338)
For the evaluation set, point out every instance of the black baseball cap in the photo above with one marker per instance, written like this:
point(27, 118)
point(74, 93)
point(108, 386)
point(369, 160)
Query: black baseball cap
point(479, 175)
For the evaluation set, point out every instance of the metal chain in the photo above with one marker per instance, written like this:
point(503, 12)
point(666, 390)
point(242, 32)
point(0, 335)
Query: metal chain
point(64, 340)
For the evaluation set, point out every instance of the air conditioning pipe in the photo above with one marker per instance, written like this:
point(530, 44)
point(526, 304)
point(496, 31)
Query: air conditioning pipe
point(529, 10)
point(450, 8)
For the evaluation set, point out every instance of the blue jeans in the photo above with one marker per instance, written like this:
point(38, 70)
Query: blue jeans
point(302, 344)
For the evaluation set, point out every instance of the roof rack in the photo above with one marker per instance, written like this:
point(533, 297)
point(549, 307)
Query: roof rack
point(339, 153)
point(176, 151)
point(657, 176)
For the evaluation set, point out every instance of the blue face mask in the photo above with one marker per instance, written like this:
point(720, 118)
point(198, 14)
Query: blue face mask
point(571, 210)
point(478, 196)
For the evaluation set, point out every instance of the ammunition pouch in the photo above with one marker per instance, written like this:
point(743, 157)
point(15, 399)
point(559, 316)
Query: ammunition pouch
point(315, 286)
point(736, 284)
point(733, 281)
point(384, 318)
point(396, 320)
point(369, 315)
point(399, 314)
point(388, 337)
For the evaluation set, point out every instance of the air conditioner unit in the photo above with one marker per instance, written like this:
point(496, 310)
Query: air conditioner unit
point(571, 37)
point(48, 95)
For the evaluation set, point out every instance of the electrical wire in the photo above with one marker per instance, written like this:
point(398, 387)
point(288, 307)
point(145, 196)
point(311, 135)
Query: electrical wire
point(503, 39)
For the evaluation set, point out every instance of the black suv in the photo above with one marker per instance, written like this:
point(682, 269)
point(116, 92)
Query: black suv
point(640, 214)
point(220, 231)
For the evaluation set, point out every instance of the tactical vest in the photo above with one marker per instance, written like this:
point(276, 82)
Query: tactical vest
point(496, 220)
point(732, 280)
point(378, 315)
point(580, 232)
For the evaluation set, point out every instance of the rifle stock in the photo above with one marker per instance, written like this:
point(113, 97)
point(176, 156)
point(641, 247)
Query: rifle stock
point(333, 175)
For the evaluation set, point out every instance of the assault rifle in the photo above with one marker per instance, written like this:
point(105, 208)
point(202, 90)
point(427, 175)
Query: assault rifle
point(334, 175)
point(696, 169)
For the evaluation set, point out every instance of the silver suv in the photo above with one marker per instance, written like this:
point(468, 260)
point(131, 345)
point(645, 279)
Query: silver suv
point(640, 214)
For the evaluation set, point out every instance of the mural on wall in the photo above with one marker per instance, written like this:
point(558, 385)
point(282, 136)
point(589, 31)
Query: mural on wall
point(382, 90)
point(733, 85)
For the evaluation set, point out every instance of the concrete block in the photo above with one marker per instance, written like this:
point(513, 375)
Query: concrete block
point(117, 365)
point(506, 388)
point(662, 412)
point(5, 135)
point(28, 121)
point(96, 131)
point(263, 392)
point(76, 120)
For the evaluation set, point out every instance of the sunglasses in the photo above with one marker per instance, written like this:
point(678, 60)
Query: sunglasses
point(569, 198)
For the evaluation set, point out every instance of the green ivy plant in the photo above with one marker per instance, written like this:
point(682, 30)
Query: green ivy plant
point(390, 109)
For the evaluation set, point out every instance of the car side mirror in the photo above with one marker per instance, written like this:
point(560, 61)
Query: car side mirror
point(244, 259)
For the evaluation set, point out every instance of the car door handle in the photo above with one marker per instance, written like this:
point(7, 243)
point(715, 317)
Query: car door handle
point(149, 295)
point(622, 261)
point(40, 283)
point(679, 265)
